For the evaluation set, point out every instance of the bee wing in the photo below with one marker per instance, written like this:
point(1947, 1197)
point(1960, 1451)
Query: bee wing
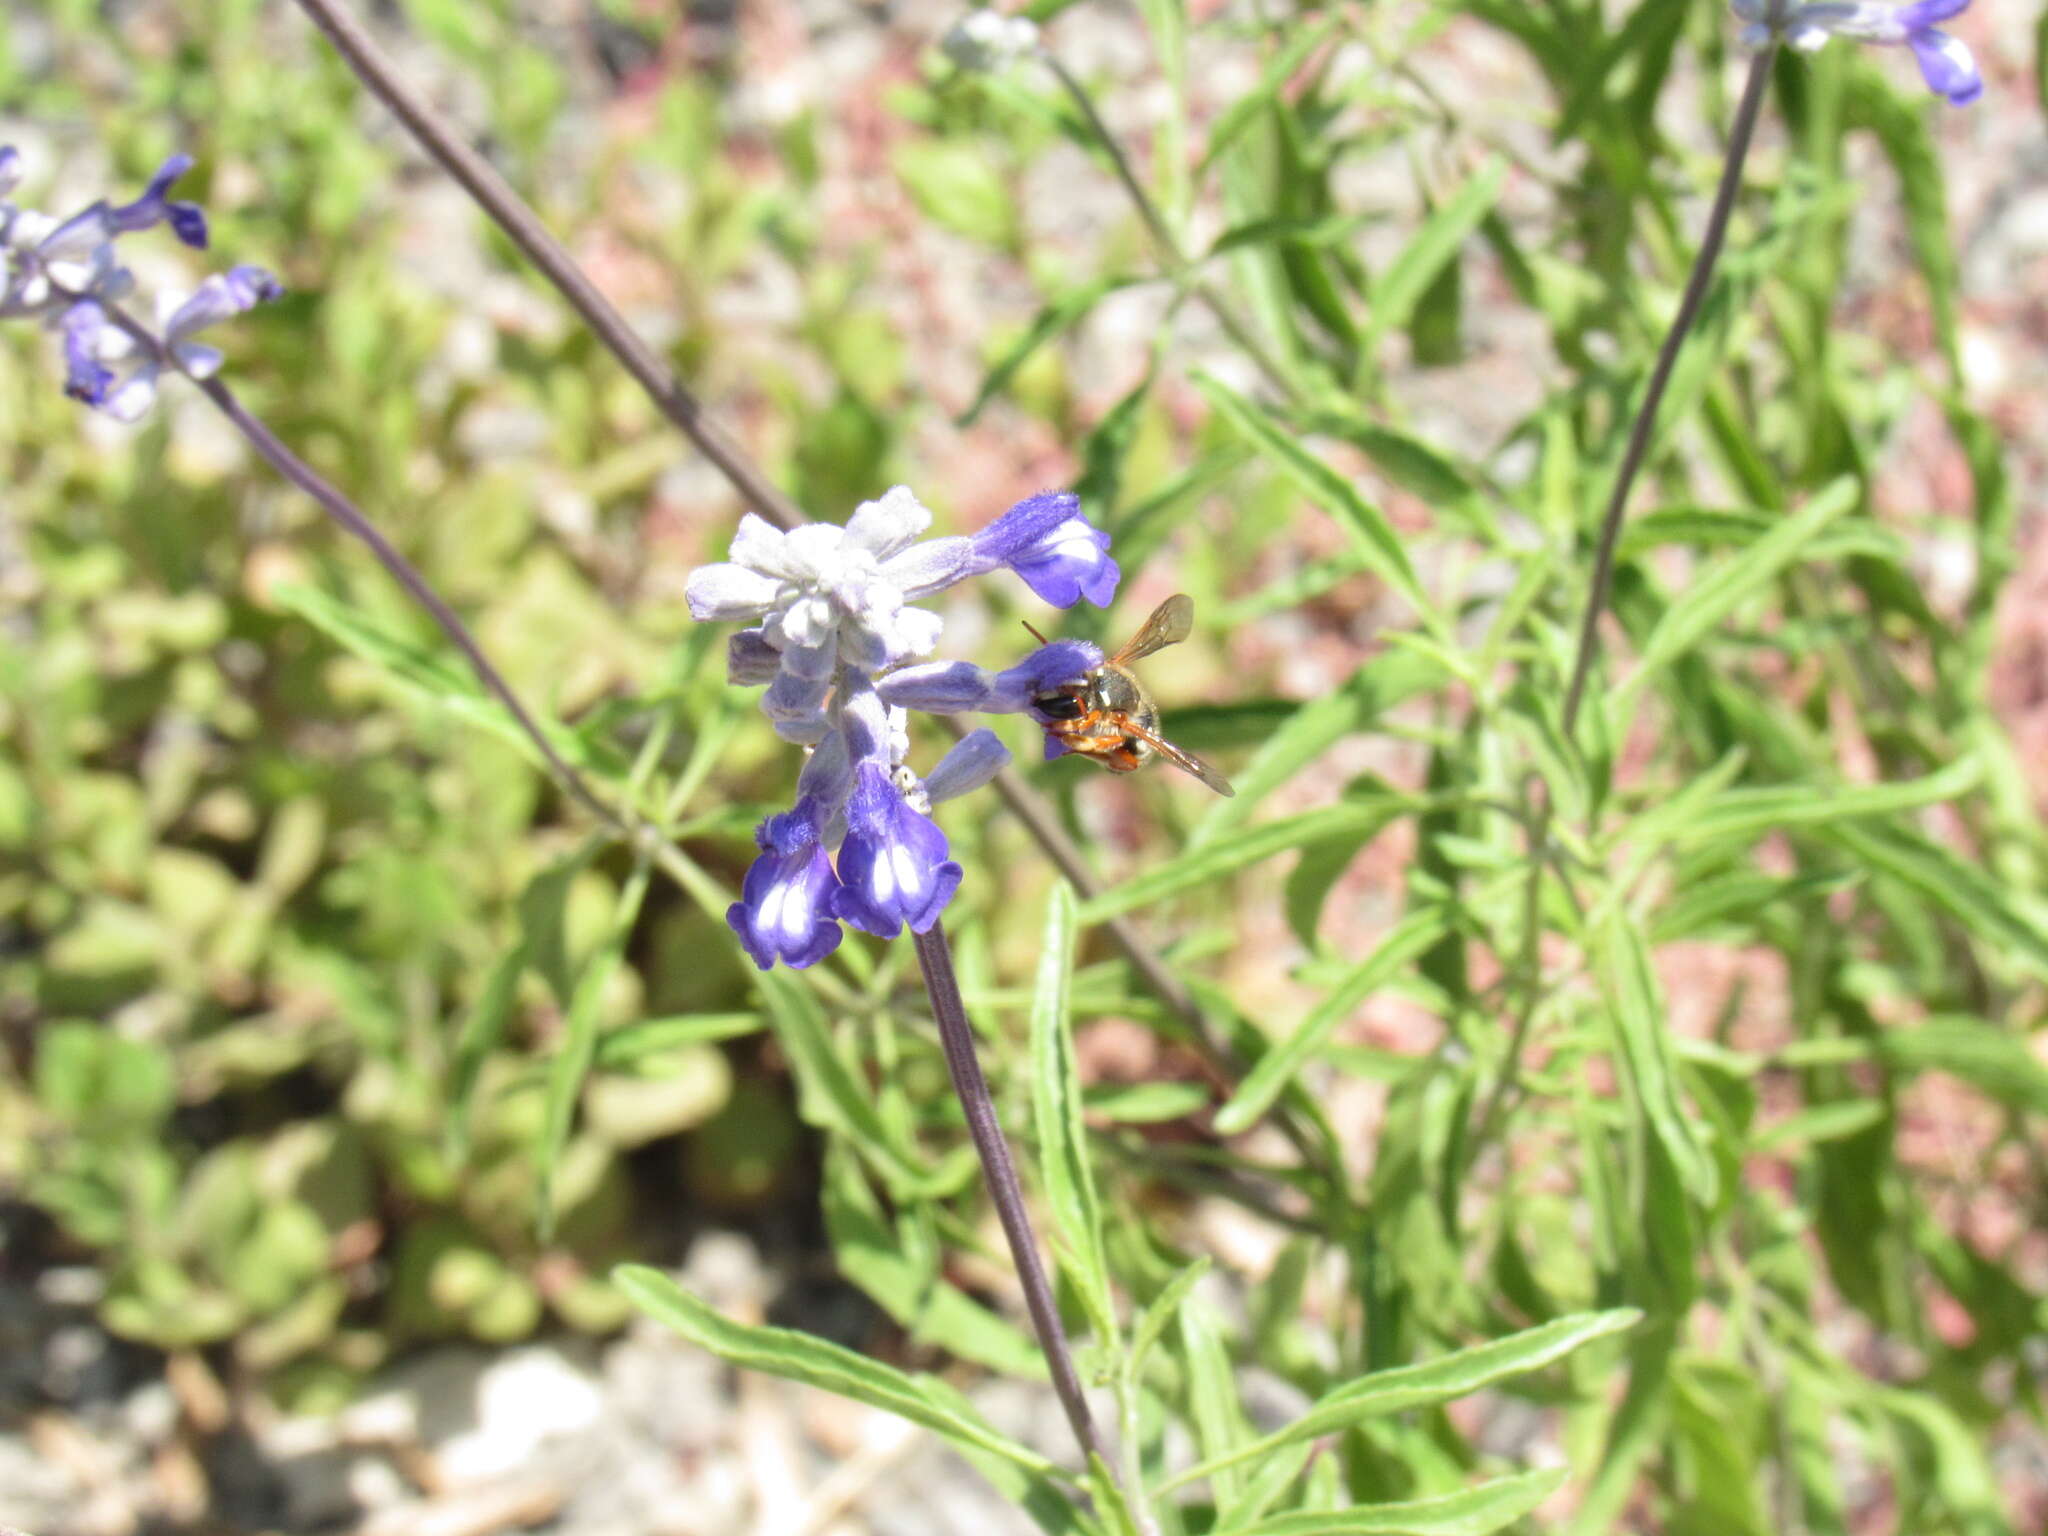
point(1171, 622)
point(1186, 762)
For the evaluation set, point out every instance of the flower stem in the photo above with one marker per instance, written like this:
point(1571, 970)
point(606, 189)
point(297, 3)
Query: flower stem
point(1739, 136)
point(956, 1039)
point(1530, 961)
point(524, 228)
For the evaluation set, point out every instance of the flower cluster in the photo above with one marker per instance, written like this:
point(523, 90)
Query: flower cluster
point(987, 42)
point(1946, 63)
point(835, 628)
point(68, 274)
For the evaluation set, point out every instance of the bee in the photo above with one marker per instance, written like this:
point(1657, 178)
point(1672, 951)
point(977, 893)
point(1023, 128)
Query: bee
point(1108, 715)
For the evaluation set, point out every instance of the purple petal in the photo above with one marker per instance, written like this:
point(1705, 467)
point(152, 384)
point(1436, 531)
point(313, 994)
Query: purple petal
point(187, 221)
point(1070, 563)
point(85, 377)
point(10, 168)
point(893, 868)
point(784, 910)
point(975, 759)
point(954, 687)
point(1054, 747)
point(750, 660)
point(1948, 67)
point(1926, 13)
point(219, 298)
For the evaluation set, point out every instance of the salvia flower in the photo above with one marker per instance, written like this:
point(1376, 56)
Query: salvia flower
point(986, 41)
point(68, 274)
point(834, 634)
point(1945, 62)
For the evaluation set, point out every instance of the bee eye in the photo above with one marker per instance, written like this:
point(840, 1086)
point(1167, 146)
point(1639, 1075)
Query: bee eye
point(1057, 706)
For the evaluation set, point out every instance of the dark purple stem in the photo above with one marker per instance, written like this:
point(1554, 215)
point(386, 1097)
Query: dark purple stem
point(519, 222)
point(956, 1038)
point(1529, 964)
point(523, 227)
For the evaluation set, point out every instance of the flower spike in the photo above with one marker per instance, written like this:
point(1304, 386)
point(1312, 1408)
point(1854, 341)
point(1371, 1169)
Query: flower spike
point(1946, 63)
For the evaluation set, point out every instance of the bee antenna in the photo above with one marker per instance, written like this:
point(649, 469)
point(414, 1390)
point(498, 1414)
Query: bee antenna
point(1034, 632)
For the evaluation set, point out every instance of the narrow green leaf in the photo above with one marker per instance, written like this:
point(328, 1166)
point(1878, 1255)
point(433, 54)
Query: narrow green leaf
point(1986, 1057)
point(1397, 291)
point(573, 1057)
point(1248, 845)
point(1962, 889)
point(1245, 110)
point(1747, 813)
point(1382, 684)
point(1058, 316)
point(1214, 1406)
point(1702, 606)
point(482, 1032)
point(1276, 1069)
point(1056, 1104)
point(1475, 1512)
point(816, 1363)
point(1158, 1316)
point(1424, 1386)
point(432, 677)
point(653, 1037)
point(1645, 1047)
point(1374, 536)
point(828, 1096)
point(871, 1253)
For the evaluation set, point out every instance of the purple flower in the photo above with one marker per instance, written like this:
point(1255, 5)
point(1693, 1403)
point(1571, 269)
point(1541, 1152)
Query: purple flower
point(69, 274)
point(955, 687)
point(86, 378)
point(1059, 553)
point(1945, 62)
point(785, 907)
point(893, 868)
point(187, 221)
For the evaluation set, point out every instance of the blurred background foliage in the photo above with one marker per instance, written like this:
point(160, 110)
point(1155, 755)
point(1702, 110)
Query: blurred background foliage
point(331, 1028)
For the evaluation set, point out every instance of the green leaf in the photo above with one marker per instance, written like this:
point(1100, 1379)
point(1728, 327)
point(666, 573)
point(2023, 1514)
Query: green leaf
point(1475, 1512)
point(1247, 845)
point(1247, 109)
point(1701, 607)
point(828, 1096)
point(426, 675)
point(1748, 813)
point(1640, 1032)
point(1275, 1070)
point(1960, 888)
point(574, 1056)
point(482, 1032)
point(1382, 684)
point(1426, 1385)
point(873, 1255)
point(1397, 291)
point(630, 1043)
point(816, 1363)
point(1058, 316)
point(1056, 1105)
point(957, 187)
point(1986, 1057)
point(1160, 1314)
point(1378, 544)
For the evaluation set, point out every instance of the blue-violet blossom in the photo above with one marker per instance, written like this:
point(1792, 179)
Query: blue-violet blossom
point(836, 629)
point(68, 274)
point(1945, 62)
